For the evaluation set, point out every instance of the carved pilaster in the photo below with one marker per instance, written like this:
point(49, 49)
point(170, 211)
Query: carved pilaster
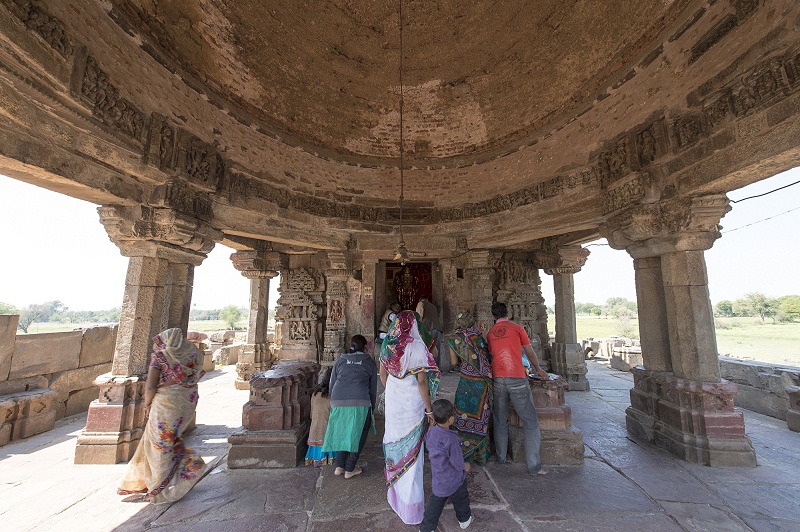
point(298, 314)
point(259, 266)
point(336, 303)
point(482, 272)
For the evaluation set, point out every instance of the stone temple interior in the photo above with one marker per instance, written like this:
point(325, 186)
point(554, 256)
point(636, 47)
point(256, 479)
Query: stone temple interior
point(528, 129)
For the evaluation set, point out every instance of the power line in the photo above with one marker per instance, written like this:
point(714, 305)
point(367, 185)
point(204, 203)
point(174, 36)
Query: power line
point(759, 221)
point(765, 193)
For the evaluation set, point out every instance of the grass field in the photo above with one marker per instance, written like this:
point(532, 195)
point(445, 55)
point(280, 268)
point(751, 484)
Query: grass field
point(746, 338)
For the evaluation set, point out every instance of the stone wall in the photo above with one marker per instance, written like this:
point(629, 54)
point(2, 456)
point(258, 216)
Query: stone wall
point(56, 370)
point(762, 386)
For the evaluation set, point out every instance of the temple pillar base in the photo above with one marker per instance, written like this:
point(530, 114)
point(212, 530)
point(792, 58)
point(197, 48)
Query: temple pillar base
point(568, 360)
point(562, 444)
point(114, 422)
point(692, 420)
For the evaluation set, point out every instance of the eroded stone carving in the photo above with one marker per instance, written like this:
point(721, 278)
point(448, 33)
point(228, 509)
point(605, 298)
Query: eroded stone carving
point(181, 197)
point(103, 98)
point(39, 21)
point(199, 161)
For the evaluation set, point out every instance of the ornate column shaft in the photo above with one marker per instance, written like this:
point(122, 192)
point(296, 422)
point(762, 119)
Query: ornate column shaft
point(164, 246)
point(679, 403)
point(567, 355)
point(259, 266)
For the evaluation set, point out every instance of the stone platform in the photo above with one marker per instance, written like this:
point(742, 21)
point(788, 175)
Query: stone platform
point(621, 485)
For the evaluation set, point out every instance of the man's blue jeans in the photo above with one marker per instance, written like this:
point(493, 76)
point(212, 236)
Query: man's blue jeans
point(518, 392)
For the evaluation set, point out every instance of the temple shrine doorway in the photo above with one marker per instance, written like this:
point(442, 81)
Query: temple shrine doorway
point(406, 283)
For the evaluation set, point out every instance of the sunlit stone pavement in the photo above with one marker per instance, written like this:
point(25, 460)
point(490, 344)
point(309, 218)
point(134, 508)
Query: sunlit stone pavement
point(621, 485)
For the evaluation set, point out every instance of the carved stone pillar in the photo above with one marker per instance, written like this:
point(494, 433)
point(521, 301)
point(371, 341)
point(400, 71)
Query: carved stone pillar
point(164, 246)
point(259, 266)
point(520, 288)
point(336, 302)
point(567, 354)
point(680, 404)
point(482, 294)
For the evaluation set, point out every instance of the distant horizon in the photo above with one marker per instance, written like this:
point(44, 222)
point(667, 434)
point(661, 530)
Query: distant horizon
point(73, 260)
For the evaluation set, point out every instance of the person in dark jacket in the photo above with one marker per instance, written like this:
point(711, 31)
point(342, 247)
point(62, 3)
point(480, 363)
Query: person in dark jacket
point(353, 391)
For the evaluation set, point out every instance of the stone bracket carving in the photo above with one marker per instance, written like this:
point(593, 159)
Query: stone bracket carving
point(135, 229)
point(674, 225)
point(261, 264)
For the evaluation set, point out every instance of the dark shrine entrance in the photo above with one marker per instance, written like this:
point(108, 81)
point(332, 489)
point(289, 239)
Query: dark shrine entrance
point(407, 283)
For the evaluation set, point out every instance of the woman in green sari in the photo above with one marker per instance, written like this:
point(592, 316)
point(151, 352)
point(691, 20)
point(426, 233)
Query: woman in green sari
point(473, 402)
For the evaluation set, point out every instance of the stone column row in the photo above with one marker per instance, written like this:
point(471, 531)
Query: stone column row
point(679, 401)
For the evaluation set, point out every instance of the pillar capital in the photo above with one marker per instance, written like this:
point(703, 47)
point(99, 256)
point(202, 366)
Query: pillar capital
point(681, 224)
point(562, 259)
point(260, 264)
point(158, 232)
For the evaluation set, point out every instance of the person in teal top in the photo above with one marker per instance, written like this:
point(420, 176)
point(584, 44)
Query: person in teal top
point(353, 391)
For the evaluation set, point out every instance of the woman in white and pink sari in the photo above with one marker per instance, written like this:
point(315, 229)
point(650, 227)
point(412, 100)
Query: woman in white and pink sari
point(411, 379)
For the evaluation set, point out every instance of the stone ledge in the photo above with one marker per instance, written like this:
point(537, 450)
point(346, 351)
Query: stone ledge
point(26, 414)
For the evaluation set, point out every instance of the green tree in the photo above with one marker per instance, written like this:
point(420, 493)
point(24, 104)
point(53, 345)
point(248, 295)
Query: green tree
point(761, 305)
point(7, 308)
point(231, 315)
point(725, 308)
point(597, 311)
point(32, 313)
point(790, 307)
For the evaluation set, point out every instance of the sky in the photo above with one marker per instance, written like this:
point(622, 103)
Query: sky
point(54, 248)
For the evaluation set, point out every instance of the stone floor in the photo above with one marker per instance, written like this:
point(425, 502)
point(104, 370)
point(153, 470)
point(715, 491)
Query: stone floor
point(621, 486)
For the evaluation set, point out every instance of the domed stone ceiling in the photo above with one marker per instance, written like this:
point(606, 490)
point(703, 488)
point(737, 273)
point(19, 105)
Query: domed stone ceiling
point(481, 78)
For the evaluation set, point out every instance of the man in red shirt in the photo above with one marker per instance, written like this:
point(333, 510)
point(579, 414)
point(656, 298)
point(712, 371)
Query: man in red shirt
point(507, 340)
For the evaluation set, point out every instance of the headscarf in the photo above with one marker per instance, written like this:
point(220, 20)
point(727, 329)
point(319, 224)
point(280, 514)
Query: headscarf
point(405, 350)
point(470, 346)
point(181, 356)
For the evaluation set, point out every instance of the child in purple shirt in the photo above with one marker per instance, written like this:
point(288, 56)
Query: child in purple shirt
point(448, 470)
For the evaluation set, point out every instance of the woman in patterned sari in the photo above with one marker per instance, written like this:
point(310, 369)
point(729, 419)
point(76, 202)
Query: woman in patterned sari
point(411, 379)
point(163, 469)
point(473, 402)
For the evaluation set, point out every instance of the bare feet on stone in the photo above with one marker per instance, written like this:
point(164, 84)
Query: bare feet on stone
point(351, 474)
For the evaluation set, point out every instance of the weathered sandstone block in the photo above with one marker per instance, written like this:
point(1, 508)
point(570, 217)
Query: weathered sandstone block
point(97, 346)
point(40, 354)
